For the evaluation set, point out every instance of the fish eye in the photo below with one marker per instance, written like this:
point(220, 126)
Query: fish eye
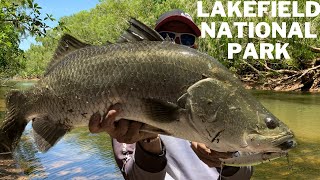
point(271, 123)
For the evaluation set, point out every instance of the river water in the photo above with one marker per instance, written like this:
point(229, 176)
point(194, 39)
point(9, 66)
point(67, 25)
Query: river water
point(81, 155)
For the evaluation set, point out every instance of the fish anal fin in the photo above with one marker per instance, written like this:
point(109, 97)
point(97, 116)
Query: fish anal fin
point(182, 100)
point(161, 111)
point(46, 133)
point(66, 45)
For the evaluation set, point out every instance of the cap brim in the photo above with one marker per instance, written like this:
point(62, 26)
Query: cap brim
point(185, 20)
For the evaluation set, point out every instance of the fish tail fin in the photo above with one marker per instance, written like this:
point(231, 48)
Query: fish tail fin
point(14, 123)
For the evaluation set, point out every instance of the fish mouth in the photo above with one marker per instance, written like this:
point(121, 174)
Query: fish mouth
point(285, 143)
point(250, 159)
point(282, 145)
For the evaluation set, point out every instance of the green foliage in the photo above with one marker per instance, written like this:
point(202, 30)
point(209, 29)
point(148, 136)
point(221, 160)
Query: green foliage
point(17, 19)
point(24, 15)
point(298, 49)
point(107, 20)
point(9, 51)
point(101, 24)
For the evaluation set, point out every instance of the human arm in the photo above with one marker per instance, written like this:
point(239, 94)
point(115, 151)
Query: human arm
point(141, 160)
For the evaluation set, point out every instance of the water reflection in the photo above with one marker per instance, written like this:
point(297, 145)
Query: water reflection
point(81, 155)
point(300, 112)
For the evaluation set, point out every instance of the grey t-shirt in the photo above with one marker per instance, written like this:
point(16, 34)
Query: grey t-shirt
point(178, 163)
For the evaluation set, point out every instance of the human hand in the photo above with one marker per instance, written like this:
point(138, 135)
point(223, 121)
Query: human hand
point(124, 131)
point(209, 156)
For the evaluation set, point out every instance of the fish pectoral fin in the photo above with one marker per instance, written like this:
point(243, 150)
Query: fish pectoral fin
point(161, 111)
point(182, 101)
point(46, 133)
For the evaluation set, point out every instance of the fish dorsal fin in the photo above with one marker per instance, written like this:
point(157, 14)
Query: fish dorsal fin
point(139, 32)
point(66, 45)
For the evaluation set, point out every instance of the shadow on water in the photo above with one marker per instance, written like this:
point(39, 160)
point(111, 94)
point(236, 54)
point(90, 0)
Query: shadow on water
point(81, 155)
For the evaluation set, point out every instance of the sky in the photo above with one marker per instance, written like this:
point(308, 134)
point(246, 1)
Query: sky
point(59, 8)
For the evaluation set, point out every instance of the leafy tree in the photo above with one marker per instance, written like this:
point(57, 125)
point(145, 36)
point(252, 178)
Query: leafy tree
point(107, 20)
point(17, 19)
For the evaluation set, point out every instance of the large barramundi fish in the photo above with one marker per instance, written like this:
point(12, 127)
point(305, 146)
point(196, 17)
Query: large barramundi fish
point(172, 89)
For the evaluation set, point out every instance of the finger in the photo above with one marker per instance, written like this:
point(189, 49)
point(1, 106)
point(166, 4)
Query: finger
point(194, 144)
point(203, 148)
point(204, 158)
point(211, 162)
point(196, 149)
point(121, 129)
point(133, 133)
point(108, 121)
point(200, 148)
point(94, 123)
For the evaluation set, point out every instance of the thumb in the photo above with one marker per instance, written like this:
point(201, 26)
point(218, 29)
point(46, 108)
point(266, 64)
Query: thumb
point(94, 123)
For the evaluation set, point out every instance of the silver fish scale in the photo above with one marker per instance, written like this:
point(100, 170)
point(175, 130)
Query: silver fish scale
point(91, 79)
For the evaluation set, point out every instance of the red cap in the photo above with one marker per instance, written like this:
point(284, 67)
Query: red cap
point(178, 15)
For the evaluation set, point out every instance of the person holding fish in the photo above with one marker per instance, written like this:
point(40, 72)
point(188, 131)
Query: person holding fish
point(142, 155)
